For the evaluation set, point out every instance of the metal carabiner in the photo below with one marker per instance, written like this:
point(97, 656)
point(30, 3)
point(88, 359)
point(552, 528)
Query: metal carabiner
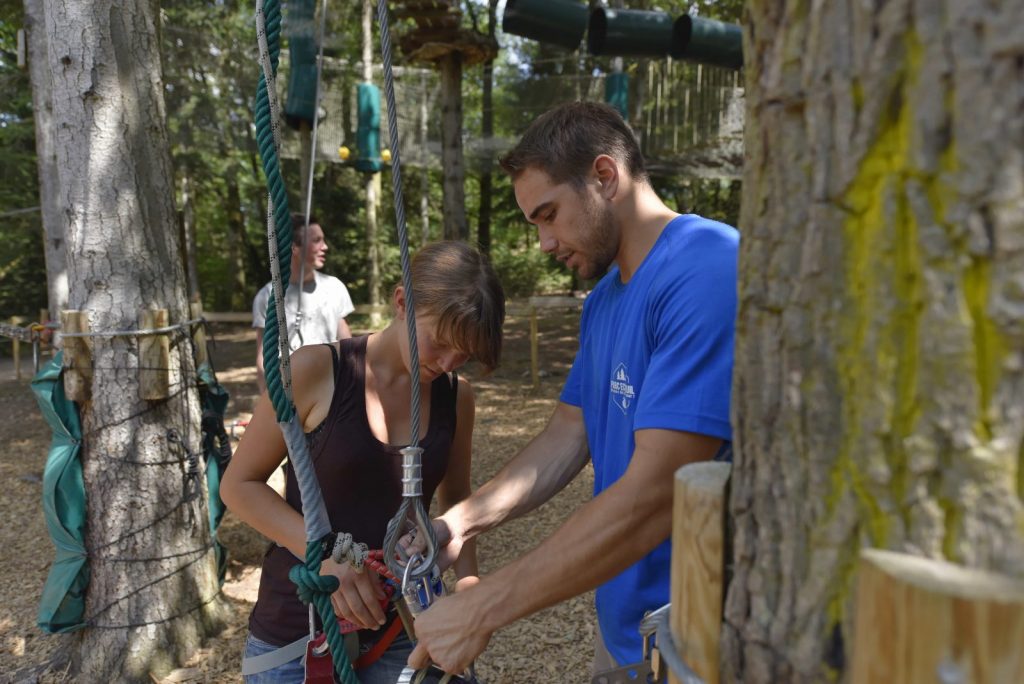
point(411, 510)
point(421, 592)
point(437, 676)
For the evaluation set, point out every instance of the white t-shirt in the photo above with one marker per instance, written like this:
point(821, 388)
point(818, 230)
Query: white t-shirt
point(325, 301)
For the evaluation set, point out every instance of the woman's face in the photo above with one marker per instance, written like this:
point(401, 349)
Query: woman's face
point(436, 356)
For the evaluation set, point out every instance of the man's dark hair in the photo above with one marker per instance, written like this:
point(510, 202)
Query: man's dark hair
point(564, 142)
point(298, 223)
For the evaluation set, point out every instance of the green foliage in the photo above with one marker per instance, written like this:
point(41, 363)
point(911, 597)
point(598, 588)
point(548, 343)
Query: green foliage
point(22, 267)
point(210, 69)
point(526, 271)
point(210, 72)
point(710, 197)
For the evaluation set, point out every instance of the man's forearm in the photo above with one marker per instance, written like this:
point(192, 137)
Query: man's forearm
point(604, 537)
point(543, 468)
point(597, 542)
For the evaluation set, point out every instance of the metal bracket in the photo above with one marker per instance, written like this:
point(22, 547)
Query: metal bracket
point(628, 674)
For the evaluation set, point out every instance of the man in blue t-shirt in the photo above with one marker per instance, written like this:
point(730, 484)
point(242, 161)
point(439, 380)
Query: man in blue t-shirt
point(647, 393)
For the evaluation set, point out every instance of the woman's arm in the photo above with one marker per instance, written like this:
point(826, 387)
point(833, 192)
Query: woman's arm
point(245, 491)
point(244, 488)
point(456, 484)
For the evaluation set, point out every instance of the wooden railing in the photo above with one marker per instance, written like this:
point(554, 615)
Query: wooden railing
point(531, 308)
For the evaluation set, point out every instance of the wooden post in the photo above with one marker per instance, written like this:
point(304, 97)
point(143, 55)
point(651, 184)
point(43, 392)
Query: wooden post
point(77, 356)
point(46, 337)
point(201, 353)
point(534, 353)
point(154, 357)
point(923, 620)
point(698, 542)
point(16, 349)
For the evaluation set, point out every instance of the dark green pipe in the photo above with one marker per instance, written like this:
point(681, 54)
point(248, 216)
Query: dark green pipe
point(632, 33)
point(560, 22)
point(299, 102)
point(707, 41)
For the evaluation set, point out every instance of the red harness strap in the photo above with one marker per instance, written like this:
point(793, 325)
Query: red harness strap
point(386, 639)
point(375, 561)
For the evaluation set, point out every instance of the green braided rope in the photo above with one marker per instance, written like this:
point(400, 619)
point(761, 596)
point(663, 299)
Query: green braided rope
point(317, 589)
point(312, 587)
point(281, 215)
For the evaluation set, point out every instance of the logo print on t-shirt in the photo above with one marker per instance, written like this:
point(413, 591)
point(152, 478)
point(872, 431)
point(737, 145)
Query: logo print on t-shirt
point(621, 389)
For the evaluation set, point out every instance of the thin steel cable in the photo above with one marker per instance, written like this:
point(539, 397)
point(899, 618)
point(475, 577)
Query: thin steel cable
point(410, 505)
point(141, 332)
point(403, 235)
point(309, 175)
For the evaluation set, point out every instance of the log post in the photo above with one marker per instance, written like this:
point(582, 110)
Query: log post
point(77, 356)
point(154, 357)
point(698, 543)
point(923, 620)
point(16, 349)
point(202, 353)
point(46, 335)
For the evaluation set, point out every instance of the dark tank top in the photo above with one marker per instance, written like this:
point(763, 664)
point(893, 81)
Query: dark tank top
point(361, 481)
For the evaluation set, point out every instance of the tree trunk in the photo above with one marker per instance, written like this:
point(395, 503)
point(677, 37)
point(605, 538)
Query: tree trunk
point(879, 365)
point(425, 190)
point(452, 165)
point(238, 242)
point(483, 234)
point(373, 282)
point(188, 235)
point(153, 591)
point(46, 159)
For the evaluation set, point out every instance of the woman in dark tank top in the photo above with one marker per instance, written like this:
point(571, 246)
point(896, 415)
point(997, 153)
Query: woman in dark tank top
point(353, 400)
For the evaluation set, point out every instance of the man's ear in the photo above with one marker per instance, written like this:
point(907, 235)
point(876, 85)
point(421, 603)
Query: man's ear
point(398, 301)
point(606, 169)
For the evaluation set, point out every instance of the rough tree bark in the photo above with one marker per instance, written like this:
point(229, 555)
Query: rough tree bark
point(153, 590)
point(46, 159)
point(879, 364)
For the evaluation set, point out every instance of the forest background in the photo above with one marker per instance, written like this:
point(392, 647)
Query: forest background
point(209, 61)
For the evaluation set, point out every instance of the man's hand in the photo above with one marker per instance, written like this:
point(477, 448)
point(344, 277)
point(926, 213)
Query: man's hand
point(448, 546)
point(358, 597)
point(449, 635)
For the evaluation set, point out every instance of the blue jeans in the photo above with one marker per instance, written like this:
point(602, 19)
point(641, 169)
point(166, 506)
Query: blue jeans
point(385, 671)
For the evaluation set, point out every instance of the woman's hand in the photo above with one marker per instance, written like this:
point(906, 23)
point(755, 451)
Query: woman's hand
point(359, 595)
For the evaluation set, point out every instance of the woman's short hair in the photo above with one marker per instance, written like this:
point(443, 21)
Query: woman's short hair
point(457, 284)
point(564, 142)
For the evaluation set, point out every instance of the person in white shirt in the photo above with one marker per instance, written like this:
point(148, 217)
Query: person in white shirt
point(325, 299)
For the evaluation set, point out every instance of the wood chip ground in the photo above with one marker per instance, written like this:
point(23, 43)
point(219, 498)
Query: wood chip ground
point(555, 645)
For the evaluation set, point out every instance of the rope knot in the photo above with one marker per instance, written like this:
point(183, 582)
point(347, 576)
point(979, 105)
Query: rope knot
point(347, 549)
point(310, 584)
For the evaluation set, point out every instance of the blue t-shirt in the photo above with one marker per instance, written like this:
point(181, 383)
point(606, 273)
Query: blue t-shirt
point(655, 352)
